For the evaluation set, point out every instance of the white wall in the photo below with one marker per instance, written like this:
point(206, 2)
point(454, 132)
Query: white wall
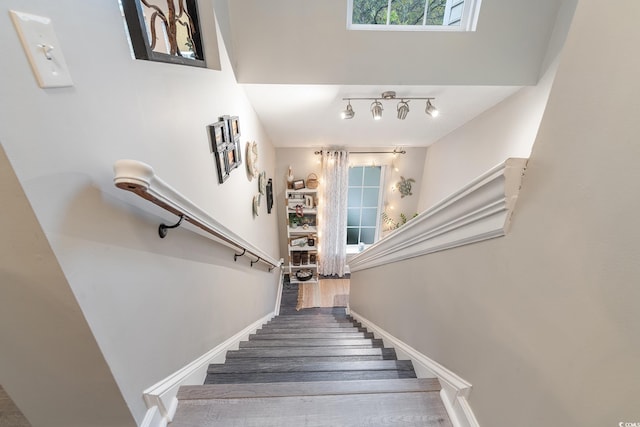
point(153, 305)
point(544, 322)
point(507, 130)
point(304, 42)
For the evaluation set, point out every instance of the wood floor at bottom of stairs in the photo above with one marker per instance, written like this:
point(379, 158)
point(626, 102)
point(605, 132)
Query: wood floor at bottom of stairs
point(382, 409)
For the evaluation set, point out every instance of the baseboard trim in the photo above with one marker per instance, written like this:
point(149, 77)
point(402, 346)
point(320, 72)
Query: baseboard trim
point(455, 390)
point(160, 398)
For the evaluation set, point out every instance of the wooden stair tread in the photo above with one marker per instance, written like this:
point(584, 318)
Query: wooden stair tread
point(272, 377)
point(310, 330)
point(387, 353)
point(301, 325)
point(320, 388)
point(380, 410)
point(309, 359)
point(313, 335)
point(311, 342)
point(306, 366)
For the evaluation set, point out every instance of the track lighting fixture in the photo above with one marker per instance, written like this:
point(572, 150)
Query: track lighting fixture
point(431, 110)
point(403, 109)
point(376, 105)
point(376, 110)
point(348, 112)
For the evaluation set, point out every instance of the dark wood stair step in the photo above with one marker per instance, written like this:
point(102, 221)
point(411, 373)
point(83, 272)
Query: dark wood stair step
point(309, 342)
point(302, 325)
point(311, 335)
point(250, 365)
point(239, 391)
point(310, 330)
point(309, 359)
point(386, 353)
point(401, 402)
point(313, 317)
point(270, 377)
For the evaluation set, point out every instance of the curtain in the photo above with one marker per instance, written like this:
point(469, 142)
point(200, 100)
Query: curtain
point(333, 213)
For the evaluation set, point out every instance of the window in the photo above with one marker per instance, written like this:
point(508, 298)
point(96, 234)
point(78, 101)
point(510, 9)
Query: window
point(363, 205)
point(398, 15)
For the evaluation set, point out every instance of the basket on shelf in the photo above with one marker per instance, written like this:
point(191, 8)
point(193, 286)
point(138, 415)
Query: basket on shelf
point(312, 181)
point(304, 275)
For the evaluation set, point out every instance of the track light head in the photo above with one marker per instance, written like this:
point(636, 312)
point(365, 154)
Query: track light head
point(431, 110)
point(403, 109)
point(376, 110)
point(348, 112)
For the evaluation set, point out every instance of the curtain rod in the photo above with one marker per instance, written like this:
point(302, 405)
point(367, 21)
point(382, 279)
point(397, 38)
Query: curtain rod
point(395, 151)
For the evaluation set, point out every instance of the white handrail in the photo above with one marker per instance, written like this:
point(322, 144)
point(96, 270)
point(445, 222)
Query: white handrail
point(139, 178)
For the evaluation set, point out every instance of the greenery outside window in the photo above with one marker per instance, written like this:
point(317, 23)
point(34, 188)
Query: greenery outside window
point(412, 15)
point(364, 205)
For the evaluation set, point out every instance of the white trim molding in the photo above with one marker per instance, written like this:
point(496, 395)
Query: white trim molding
point(161, 399)
point(455, 390)
point(479, 211)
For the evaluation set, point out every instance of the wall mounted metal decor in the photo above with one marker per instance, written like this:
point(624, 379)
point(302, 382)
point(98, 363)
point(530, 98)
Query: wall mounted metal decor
point(165, 33)
point(226, 149)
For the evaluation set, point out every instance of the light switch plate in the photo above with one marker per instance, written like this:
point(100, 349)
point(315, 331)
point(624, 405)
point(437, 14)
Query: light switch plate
point(42, 48)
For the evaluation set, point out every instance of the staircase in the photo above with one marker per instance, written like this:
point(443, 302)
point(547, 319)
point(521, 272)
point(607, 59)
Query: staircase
point(317, 367)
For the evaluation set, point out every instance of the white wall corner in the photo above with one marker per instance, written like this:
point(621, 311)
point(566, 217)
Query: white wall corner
point(161, 399)
point(479, 211)
point(455, 390)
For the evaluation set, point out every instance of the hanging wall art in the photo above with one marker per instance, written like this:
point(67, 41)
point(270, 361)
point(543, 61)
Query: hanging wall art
point(165, 31)
point(225, 147)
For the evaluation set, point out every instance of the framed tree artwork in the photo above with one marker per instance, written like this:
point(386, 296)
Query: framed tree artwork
point(165, 31)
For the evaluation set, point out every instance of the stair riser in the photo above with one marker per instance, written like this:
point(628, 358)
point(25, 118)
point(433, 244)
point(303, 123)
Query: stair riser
point(287, 366)
point(254, 377)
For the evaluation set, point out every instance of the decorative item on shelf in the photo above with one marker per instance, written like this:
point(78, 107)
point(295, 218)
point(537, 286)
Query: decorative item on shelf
point(299, 211)
point(252, 160)
point(308, 201)
point(290, 178)
point(295, 258)
point(312, 258)
point(304, 275)
point(304, 257)
point(262, 182)
point(312, 181)
point(311, 241)
point(404, 186)
point(298, 184)
point(299, 241)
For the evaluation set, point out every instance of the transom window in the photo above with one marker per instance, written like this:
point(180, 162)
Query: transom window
point(456, 15)
point(363, 205)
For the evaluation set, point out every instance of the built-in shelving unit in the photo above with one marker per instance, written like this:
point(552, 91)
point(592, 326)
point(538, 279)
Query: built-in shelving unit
point(302, 233)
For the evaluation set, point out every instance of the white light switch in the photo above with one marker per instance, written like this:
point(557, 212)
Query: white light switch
point(43, 49)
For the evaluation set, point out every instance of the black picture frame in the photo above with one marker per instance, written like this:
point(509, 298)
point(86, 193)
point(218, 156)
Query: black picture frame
point(135, 17)
point(234, 156)
point(217, 132)
point(225, 148)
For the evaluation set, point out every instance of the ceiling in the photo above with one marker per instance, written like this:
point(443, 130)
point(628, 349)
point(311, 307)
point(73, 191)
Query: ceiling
point(297, 60)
